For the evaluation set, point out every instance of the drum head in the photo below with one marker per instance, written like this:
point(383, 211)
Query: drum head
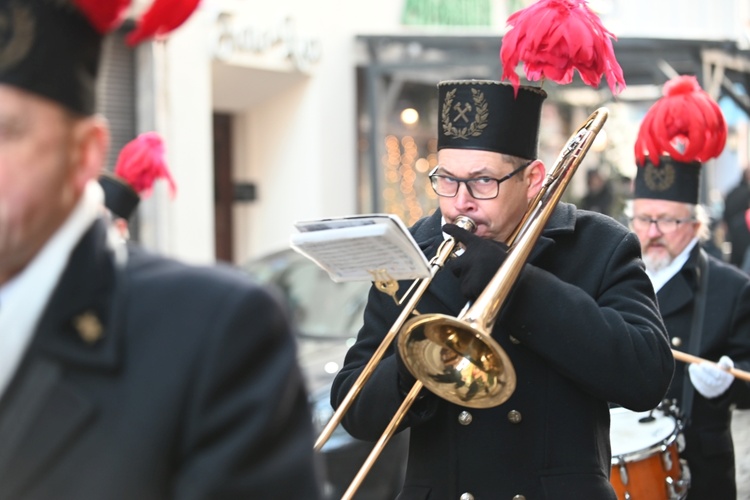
point(631, 432)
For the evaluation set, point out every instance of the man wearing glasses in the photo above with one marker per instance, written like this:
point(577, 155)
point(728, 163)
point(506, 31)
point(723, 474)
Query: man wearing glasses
point(581, 327)
point(704, 302)
point(705, 305)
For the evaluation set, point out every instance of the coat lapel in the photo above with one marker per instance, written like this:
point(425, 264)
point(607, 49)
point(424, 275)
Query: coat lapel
point(41, 415)
point(41, 412)
point(680, 290)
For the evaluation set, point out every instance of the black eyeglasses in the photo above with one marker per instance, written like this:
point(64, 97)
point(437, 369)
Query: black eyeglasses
point(665, 225)
point(481, 188)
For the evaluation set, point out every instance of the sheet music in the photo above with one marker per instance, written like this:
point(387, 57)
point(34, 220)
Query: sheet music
point(361, 248)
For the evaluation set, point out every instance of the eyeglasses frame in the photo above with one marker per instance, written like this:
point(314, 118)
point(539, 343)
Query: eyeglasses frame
point(459, 180)
point(677, 221)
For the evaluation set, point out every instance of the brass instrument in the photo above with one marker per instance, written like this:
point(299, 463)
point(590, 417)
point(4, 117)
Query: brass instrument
point(437, 262)
point(440, 349)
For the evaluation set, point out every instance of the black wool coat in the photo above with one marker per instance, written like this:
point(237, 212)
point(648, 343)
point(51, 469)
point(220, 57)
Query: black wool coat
point(581, 328)
point(188, 388)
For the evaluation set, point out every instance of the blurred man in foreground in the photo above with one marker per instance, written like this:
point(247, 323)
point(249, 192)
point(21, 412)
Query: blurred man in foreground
point(123, 375)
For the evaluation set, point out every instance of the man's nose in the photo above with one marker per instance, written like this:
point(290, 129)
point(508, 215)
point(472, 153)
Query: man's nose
point(463, 196)
point(653, 230)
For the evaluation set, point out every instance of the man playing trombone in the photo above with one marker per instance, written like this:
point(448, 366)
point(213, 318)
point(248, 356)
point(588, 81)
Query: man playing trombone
point(704, 302)
point(581, 326)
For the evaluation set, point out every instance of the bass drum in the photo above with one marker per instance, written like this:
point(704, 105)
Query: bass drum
point(646, 462)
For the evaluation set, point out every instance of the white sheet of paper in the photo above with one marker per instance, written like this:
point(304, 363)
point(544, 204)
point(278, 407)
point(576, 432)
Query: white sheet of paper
point(361, 247)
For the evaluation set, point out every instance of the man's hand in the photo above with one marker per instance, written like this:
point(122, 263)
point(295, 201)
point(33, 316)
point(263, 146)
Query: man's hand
point(405, 379)
point(479, 262)
point(712, 380)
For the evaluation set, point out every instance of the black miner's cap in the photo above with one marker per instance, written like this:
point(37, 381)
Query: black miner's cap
point(48, 47)
point(487, 115)
point(671, 180)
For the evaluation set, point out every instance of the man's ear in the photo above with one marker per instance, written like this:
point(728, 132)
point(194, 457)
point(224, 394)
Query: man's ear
point(90, 146)
point(535, 175)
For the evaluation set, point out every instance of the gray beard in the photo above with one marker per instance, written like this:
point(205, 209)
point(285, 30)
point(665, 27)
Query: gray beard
point(656, 264)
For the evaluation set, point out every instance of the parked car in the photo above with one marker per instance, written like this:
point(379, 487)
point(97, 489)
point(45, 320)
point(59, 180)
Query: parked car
point(328, 316)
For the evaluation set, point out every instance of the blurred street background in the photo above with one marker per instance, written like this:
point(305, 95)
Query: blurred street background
point(278, 112)
point(741, 435)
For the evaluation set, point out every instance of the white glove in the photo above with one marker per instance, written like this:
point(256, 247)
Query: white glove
point(712, 380)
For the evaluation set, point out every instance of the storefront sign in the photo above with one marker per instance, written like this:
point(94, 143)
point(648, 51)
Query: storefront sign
point(283, 39)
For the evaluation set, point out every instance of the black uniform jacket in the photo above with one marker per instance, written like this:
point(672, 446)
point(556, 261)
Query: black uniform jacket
point(725, 331)
point(187, 387)
point(581, 328)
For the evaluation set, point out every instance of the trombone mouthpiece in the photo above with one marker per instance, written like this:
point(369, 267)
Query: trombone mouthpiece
point(466, 223)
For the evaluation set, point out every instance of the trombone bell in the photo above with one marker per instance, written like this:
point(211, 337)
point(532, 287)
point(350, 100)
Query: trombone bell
point(456, 361)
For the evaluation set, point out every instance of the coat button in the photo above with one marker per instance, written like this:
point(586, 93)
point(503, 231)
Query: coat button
point(465, 418)
point(466, 496)
point(514, 417)
point(513, 340)
point(519, 497)
point(89, 327)
point(676, 341)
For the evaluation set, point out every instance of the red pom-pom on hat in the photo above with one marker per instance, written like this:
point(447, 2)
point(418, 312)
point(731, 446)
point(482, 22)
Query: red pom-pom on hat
point(142, 161)
point(554, 38)
point(685, 124)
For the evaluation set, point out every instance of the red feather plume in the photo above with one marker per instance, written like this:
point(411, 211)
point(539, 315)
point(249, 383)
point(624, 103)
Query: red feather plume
point(685, 123)
point(142, 161)
point(104, 15)
point(162, 17)
point(555, 37)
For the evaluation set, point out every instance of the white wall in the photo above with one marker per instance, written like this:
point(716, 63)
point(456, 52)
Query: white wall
point(286, 141)
point(175, 100)
point(298, 142)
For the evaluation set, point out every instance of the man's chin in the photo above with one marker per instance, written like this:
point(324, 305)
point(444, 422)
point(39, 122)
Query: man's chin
point(656, 261)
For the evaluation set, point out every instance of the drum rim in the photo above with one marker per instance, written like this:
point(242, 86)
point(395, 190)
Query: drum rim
point(651, 450)
point(639, 455)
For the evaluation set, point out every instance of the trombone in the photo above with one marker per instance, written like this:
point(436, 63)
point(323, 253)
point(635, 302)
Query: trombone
point(440, 350)
point(415, 291)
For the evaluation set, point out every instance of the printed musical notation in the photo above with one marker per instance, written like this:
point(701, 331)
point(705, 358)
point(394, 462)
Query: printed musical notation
point(361, 247)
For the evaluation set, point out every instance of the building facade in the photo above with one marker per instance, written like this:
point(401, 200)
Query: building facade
point(268, 109)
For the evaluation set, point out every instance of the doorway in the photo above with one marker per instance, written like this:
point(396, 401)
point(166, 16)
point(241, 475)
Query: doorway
point(223, 187)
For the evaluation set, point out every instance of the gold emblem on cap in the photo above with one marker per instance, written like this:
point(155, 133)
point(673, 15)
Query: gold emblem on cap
point(462, 111)
point(89, 327)
point(659, 178)
point(17, 34)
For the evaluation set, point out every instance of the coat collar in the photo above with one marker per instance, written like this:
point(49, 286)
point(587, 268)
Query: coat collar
point(78, 325)
point(680, 290)
point(41, 410)
point(39, 415)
